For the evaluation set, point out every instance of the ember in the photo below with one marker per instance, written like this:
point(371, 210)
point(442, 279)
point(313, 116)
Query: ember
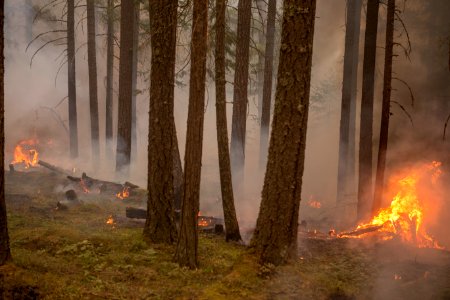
point(25, 153)
point(405, 216)
point(110, 221)
point(314, 203)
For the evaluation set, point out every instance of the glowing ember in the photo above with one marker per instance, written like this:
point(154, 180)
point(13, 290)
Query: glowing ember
point(84, 186)
point(203, 222)
point(314, 204)
point(125, 193)
point(405, 216)
point(25, 152)
point(110, 221)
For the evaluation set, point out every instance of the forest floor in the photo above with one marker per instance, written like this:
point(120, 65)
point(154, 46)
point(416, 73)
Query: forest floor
point(75, 254)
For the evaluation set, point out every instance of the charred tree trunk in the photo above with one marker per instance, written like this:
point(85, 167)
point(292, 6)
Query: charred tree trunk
point(239, 119)
point(385, 110)
point(109, 80)
point(346, 170)
point(137, 19)
point(275, 237)
point(366, 124)
point(92, 64)
point(72, 93)
point(123, 153)
point(5, 253)
point(229, 211)
point(160, 226)
point(186, 252)
point(267, 87)
point(261, 7)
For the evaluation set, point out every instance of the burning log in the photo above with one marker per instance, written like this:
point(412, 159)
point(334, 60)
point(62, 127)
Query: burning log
point(361, 231)
point(71, 195)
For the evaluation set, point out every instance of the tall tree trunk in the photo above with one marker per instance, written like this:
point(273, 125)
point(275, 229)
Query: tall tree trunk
point(385, 110)
point(261, 7)
point(267, 87)
point(186, 252)
point(92, 63)
point(123, 152)
point(345, 167)
point(275, 237)
point(5, 253)
point(137, 18)
point(71, 79)
point(229, 211)
point(109, 80)
point(366, 124)
point(160, 226)
point(239, 119)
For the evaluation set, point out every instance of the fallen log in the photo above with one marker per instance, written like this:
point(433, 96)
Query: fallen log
point(52, 167)
point(361, 231)
point(136, 213)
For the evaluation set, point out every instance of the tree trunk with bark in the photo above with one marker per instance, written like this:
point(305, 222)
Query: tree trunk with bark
point(346, 164)
point(71, 79)
point(137, 19)
point(5, 253)
point(109, 80)
point(366, 124)
point(123, 153)
point(177, 171)
point(160, 226)
point(275, 237)
point(385, 109)
point(186, 252)
point(240, 95)
point(260, 17)
point(229, 211)
point(92, 66)
point(267, 87)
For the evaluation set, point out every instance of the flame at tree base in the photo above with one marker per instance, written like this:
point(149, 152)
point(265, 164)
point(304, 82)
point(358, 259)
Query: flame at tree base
point(405, 216)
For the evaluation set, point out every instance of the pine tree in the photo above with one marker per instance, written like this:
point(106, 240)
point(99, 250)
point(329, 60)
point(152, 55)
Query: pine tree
point(71, 79)
point(109, 79)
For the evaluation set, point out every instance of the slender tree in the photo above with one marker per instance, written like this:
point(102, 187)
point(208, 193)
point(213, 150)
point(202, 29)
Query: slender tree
point(71, 79)
point(267, 87)
point(137, 18)
point(260, 17)
point(186, 252)
point(385, 109)
point(123, 152)
point(109, 79)
point(229, 212)
point(92, 66)
point(275, 237)
point(5, 253)
point(160, 226)
point(177, 171)
point(366, 124)
point(346, 164)
point(239, 119)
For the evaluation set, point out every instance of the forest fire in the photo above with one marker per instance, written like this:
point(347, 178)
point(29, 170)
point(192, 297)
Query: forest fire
point(314, 204)
point(25, 153)
point(110, 220)
point(407, 213)
point(124, 193)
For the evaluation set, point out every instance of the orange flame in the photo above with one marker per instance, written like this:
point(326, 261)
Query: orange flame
point(405, 215)
point(84, 186)
point(125, 193)
point(25, 152)
point(110, 221)
point(314, 204)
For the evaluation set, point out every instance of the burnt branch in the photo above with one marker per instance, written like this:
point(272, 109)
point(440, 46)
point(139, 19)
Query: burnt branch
point(43, 46)
point(409, 88)
point(42, 34)
point(405, 111)
point(56, 117)
point(445, 126)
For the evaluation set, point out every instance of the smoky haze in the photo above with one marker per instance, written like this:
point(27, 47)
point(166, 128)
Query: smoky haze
point(29, 92)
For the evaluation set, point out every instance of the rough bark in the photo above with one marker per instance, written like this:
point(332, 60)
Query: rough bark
point(385, 109)
point(275, 237)
point(229, 211)
point(267, 87)
point(261, 6)
point(92, 66)
point(109, 80)
point(186, 252)
point(5, 253)
point(238, 124)
point(137, 9)
point(366, 124)
point(346, 170)
point(177, 171)
point(123, 152)
point(160, 226)
point(71, 79)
